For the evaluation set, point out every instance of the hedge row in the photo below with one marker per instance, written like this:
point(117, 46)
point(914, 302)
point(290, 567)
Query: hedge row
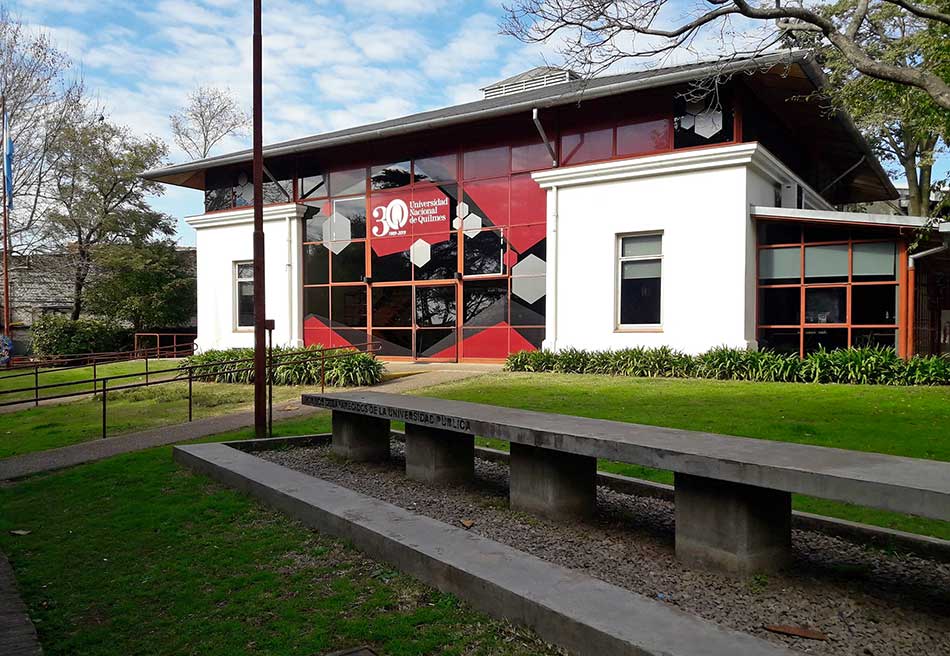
point(872, 365)
point(345, 368)
point(59, 335)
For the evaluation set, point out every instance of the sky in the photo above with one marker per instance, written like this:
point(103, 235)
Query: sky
point(328, 64)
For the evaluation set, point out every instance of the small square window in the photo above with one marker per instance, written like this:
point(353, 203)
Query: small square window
point(244, 293)
point(640, 268)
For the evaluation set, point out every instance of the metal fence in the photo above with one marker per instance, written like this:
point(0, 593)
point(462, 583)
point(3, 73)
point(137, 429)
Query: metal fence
point(102, 386)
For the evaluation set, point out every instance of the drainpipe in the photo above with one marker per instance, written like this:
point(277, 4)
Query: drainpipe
point(911, 290)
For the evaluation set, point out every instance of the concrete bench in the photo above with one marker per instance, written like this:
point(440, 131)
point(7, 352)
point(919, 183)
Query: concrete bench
point(732, 494)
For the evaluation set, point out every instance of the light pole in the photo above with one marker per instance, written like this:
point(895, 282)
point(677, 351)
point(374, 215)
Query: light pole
point(260, 364)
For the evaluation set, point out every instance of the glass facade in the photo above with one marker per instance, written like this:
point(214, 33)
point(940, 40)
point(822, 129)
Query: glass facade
point(439, 257)
point(827, 286)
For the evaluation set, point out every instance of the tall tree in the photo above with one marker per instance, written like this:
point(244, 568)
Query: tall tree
point(211, 115)
point(42, 98)
point(97, 196)
point(149, 285)
point(597, 33)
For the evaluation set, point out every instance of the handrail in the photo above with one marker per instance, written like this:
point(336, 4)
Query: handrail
point(186, 372)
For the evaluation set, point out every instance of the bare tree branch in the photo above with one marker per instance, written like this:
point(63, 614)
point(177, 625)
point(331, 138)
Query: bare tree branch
point(211, 115)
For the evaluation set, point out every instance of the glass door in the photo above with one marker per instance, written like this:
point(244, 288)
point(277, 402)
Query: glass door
point(435, 322)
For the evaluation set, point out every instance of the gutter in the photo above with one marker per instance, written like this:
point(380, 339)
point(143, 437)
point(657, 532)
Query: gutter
point(912, 259)
point(584, 92)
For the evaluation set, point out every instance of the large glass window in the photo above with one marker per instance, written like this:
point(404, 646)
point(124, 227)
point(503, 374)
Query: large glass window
point(846, 295)
point(641, 259)
point(702, 122)
point(244, 293)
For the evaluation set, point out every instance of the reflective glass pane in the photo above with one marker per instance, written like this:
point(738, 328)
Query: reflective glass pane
point(587, 146)
point(484, 253)
point(313, 222)
point(775, 232)
point(357, 338)
point(826, 263)
point(639, 301)
point(390, 176)
point(245, 314)
point(438, 343)
point(528, 301)
point(826, 338)
point(316, 264)
point(637, 269)
point(313, 186)
point(874, 304)
point(389, 266)
point(780, 306)
point(348, 221)
point(349, 265)
point(531, 157)
point(392, 307)
point(439, 168)
point(874, 337)
point(435, 306)
point(219, 199)
point(281, 191)
point(526, 339)
point(316, 303)
point(485, 163)
point(485, 342)
point(643, 137)
point(348, 305)
point(826, 305)
point(396, 343)
point(485, 302)
point(641, 245)
point(528, 201)
point(441, 263)
point(702, 122)
point(780, 340)
point(825, 232)
point(245, 271)
point(876, 261)
point(345, 183)
point(780, 265)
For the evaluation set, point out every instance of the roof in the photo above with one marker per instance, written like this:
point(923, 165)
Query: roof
point(189, 174)
point(822, 216)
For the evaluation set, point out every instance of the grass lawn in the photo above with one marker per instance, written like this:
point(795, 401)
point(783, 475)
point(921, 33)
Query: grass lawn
point(12, 380)
point(52, 426)
point(906, 421)
point(134, 555)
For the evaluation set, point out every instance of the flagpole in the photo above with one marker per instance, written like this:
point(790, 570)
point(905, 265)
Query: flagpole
point(6, 230)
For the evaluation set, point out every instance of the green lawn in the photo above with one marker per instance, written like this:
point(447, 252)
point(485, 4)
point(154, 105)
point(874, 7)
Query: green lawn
point(12, 380)
point(906, 421)
point(134, 555)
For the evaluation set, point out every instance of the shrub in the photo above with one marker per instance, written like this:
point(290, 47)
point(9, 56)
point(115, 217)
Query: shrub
point(344, 368)
point(58, 335)
point(868, 366)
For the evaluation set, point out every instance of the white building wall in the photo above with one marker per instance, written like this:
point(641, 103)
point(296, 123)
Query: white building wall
point(700, 200)
point(227, 237)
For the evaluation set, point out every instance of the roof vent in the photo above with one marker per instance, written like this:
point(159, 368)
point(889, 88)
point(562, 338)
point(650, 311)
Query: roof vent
point(536, 78)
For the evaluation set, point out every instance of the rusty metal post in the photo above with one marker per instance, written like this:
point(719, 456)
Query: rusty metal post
point(270, 378)
point(190, 379)
point(260, 363)
point(323, 371)
point(94, 376)
point(105, 393)
point(146, 367)
point(36, 385)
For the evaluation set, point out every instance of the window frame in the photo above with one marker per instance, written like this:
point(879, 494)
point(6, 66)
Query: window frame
point(237, 281)
point(619, 259)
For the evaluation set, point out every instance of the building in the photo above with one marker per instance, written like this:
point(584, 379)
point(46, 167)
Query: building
point(607, 213)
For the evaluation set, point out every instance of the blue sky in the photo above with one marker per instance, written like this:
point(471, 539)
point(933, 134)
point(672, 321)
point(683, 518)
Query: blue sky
point(328, 64)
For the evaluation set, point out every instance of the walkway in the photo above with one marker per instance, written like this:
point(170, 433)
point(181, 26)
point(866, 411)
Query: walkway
point(17, 634)
point(76, 454)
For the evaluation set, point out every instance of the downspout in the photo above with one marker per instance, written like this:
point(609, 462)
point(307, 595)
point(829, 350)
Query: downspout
point(911, 290)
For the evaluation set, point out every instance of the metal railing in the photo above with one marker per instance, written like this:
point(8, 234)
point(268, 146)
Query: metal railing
point(100, 386)
point(187, 340)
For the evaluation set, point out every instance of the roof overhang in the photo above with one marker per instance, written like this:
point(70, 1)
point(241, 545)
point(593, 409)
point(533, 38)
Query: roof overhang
point(852, 218)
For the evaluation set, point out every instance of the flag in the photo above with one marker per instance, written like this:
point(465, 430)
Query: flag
point(7, 162)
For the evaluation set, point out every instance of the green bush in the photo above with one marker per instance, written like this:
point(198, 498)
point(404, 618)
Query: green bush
point(55, 335)
point(866, 366)
point(344, 367)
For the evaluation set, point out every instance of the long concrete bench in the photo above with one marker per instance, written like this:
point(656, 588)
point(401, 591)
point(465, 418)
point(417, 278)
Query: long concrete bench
point(732, 494)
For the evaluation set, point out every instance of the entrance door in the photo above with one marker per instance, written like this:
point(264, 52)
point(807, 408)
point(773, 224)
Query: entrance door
point(436, 322)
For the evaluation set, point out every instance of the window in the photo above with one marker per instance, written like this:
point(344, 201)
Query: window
point(641, 258)
point(244, 293)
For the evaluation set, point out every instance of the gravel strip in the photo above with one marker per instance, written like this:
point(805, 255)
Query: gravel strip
point(867, 602)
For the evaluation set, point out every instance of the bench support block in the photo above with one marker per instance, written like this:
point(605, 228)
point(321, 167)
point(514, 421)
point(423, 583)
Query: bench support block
point(360, 438)
point(731, 527)
point(434, 455)
point(554, 484)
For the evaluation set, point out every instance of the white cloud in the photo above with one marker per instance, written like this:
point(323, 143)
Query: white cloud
point(475, 43)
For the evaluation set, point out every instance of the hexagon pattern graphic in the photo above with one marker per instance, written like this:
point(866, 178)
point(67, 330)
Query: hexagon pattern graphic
point(337, 231)
point(708, 124)
point(470, 222)
point(527, 281)
point(420, 252)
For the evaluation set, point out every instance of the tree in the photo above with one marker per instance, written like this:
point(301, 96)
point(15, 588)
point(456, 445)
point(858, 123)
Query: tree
point(148, 285)
point(597, 33)
point(97, 196)
point(41, 99)
point(211, 115)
